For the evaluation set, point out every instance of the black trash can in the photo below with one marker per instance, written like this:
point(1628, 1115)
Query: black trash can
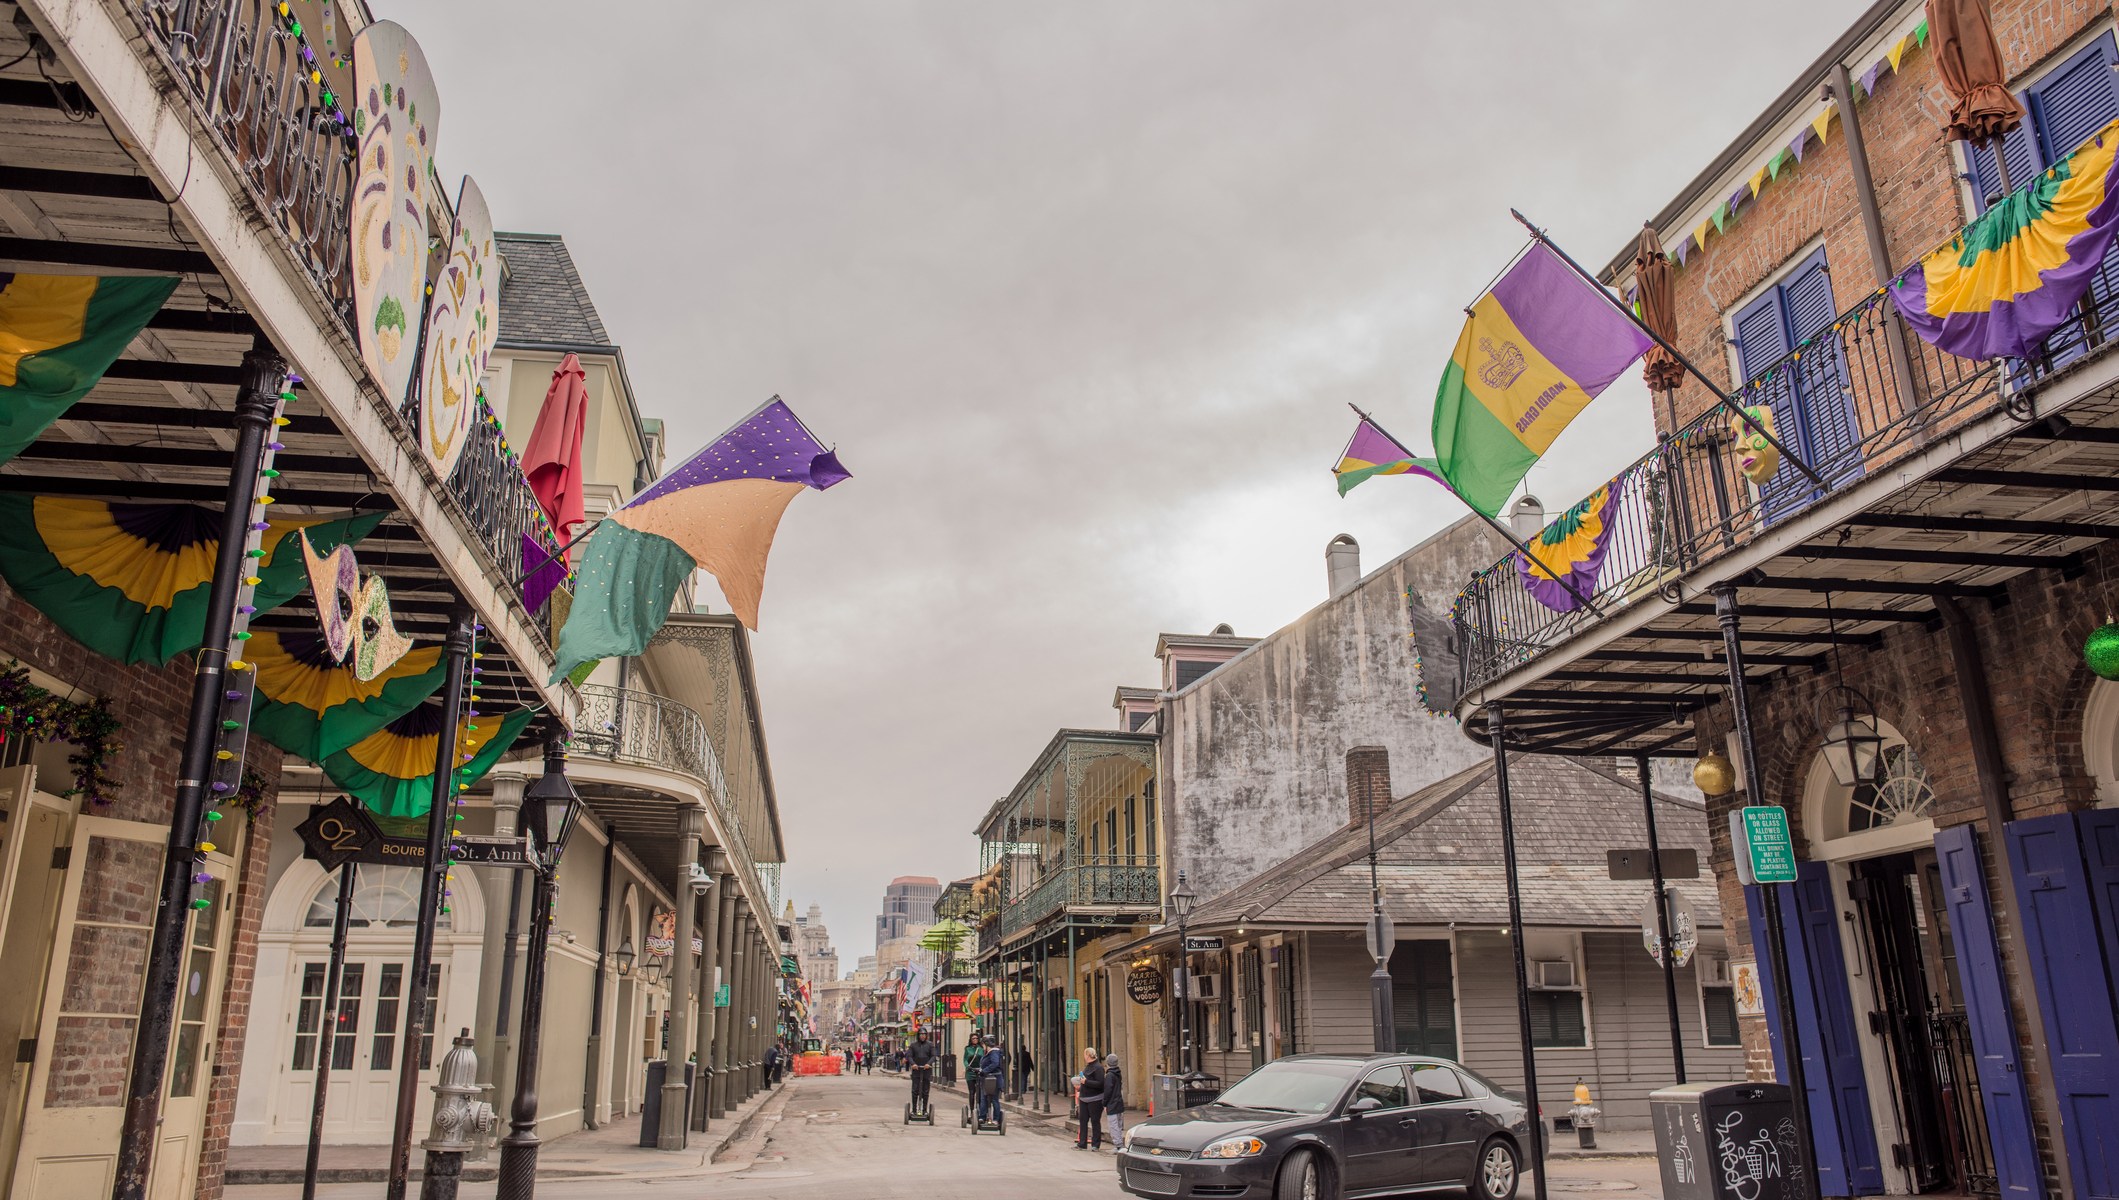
point(1200, 1088)
point(1727, 1141)
point(651, 1104)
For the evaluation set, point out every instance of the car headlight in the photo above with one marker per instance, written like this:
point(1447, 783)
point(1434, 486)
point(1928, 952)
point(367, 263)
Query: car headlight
point(1243, 1147)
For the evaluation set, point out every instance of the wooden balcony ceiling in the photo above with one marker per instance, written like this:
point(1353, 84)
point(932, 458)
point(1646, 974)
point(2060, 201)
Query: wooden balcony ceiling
point(2033, 501)
point(159, 427)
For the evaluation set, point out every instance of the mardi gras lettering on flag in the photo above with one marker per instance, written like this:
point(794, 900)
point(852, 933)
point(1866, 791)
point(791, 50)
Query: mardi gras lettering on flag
point(355, 616)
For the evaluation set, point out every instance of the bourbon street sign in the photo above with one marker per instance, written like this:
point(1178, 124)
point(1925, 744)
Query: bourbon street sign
point(342, 831)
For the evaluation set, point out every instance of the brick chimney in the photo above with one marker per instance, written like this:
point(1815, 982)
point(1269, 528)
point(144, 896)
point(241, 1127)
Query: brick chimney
point(1368, 782)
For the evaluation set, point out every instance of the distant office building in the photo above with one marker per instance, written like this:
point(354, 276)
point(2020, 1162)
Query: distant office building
point(908, 901)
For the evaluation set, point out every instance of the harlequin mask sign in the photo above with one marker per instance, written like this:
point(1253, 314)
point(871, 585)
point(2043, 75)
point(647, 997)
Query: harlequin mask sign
point(355, 616)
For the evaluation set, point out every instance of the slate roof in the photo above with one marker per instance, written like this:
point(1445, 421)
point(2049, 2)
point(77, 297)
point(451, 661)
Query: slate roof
point(542, 298)
point(1439, 856)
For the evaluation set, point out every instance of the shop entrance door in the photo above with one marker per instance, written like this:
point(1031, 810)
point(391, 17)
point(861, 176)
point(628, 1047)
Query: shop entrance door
point(31, 875)
point(1904, 936)
point(361, 1042)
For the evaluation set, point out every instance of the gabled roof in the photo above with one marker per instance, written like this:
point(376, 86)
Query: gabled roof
point(1439, 856)
point(542, 298)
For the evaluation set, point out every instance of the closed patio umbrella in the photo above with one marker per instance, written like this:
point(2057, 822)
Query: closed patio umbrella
point(1982, 109)
point(1655, 284)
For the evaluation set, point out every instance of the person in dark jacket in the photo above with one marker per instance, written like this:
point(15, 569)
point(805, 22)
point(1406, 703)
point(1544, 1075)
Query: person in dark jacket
point(1114, 1103)
point(1026, 1067)
point(1089, 1104)
point(995, 1067)
point(772, 1061)
point(921, 1059)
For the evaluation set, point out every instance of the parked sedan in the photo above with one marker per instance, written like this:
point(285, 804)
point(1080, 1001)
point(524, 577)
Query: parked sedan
point(1313, 1126)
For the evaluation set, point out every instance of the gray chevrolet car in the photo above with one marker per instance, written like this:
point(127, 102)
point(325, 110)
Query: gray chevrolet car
point(1318, 1126)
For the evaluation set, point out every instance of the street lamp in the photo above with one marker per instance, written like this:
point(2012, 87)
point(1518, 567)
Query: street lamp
point(552, 808)
point(1181, 901)
point(624, 957)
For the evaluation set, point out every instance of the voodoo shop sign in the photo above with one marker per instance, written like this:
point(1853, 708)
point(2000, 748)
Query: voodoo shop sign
point(1145, 984)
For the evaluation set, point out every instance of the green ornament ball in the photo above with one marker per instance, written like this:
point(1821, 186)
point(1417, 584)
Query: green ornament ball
point(2101, 651)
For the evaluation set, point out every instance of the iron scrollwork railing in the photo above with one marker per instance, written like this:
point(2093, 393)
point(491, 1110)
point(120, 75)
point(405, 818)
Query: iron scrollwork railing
point(499, 508)
point(1100, 881)
point(623, 725)
point(1687, 503)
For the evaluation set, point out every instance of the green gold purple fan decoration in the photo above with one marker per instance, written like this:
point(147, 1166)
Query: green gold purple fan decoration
point(392, 770)
point(311, 704)
point(130, 581)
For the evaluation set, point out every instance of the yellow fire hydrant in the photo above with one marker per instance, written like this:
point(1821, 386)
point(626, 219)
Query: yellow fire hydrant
point(1584, 1115)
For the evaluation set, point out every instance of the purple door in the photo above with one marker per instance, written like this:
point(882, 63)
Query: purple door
point(1840, 1124)
point(2065, 951)
point(1986, 1002)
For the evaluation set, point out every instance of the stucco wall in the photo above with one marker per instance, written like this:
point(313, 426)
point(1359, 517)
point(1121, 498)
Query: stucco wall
point(1253, 754)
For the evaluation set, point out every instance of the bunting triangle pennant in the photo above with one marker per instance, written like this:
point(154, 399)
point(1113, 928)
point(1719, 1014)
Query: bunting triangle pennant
point(1802, 139)
point(1720, 217)
point(1700, 235)
point(1758, 181)
point(1920, 34)
point(1684, 251)
point(1821, 124)
point(1868, 78)
point(1898, 52)
point(1773, 165)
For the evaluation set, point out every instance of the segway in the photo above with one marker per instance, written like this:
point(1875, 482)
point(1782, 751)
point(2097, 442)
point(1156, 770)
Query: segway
point(921, 1108)
point(988, 1085)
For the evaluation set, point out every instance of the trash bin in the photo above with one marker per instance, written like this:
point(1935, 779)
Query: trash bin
point(1201, 1088)
point(1165, 1094)
point(651, 1104)
point(1727, 1141)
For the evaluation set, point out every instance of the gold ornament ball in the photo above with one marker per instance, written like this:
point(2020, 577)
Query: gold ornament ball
point(1714, 774)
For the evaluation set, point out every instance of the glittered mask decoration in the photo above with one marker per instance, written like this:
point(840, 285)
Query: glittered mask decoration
point(379, 642)
point(335, 579)
point(1756, 457)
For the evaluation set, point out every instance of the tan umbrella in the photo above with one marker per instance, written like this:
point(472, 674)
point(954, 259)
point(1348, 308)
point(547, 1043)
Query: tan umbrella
point(1982, 108)
point(1655, 283)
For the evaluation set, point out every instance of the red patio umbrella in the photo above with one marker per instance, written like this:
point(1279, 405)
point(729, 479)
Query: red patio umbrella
point(552, 459)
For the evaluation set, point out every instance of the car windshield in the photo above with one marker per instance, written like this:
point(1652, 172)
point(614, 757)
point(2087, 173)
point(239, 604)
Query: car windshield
point(1292, 1086)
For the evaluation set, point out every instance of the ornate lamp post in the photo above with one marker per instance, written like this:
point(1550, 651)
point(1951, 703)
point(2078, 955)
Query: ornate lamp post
point(552, 807)
point(1181, 901)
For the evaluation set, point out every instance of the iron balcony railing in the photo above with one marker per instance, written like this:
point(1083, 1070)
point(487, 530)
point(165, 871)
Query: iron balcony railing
point(244, 75)
point(1100, 881)
point(641, 729)
point(1853, 399)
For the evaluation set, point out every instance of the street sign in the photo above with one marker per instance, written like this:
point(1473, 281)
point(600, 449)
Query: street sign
point(1678, 863)
point(1382, 937)
point(1772, 849)
point(721, 996)
point(491, 851)
point(1684, 930)
point(342, 831)
point(1145, 984)
point(1074, 1009)
point(1197, 945)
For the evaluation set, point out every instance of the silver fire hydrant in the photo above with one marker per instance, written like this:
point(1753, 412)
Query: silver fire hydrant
point(1584, 1115)
point(463, 1124)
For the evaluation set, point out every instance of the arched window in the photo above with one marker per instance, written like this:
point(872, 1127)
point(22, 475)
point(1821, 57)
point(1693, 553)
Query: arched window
point(1897, 813)
point(1905, 794)
point(383, 898)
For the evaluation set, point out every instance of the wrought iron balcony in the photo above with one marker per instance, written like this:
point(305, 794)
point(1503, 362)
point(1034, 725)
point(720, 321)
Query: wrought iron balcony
point(1686, 504)
point(1123, 883)
point(622, 725)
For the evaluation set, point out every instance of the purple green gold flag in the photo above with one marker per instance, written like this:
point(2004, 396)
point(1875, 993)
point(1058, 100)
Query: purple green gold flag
point(1534, 352)
point(1573, 545)
point(1372, 452)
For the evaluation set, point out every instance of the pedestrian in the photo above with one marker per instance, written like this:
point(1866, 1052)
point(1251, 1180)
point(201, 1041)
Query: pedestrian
point(1025, 1067)
point(1114, 1103)
point(921, 1059)
point(772, 1060)
point(1089, 1103)
point(849, 1060)
point(780, 1065)
point(993, 1076)
point(973, 1052)
point(857, 1057)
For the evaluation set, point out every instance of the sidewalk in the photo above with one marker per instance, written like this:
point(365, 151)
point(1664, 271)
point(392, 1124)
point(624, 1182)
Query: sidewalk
point(612, 1152)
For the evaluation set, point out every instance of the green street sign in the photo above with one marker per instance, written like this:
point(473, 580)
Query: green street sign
point(721, 996)
point(1074, 1010)
point(1772, 848)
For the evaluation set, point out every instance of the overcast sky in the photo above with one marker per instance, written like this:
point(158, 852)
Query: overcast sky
point(1080, 291)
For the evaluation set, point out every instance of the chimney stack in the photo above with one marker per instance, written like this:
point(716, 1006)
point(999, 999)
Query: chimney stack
point(1368, 782)
point(1527, 519)
point(1342, 563)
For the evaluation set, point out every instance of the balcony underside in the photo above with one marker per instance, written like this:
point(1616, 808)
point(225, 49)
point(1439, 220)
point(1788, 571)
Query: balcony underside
point(2008, 493)
point(159, 427)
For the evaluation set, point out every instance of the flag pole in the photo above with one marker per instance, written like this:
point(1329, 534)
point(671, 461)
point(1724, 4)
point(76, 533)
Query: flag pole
point(553, 556)
point(1498, 527)
point(1734, 406)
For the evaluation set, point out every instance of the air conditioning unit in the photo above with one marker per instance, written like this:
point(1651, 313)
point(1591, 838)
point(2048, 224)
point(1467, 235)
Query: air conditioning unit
point(1206, 988)
point(1714, 970)
point(1553, 973)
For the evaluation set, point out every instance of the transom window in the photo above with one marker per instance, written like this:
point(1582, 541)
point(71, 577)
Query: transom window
point(383, 898)
point(1906, 793)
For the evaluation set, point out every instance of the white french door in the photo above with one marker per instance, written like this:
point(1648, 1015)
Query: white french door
point(360, 1041)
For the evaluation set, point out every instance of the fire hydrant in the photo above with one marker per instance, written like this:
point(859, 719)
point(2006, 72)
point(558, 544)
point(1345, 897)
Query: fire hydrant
point(1584, 1115)
point(463, 1125)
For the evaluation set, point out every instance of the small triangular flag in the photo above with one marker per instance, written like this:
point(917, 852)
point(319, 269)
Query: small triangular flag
point(1700, 235)
point(1720, 217)
point(1773, 165)
point(1758, 181)
point(1868, 78)
point(1821, 124)
point(1684, 251)
point(1897, 52)
point(1802, 140)
point(1920, 34)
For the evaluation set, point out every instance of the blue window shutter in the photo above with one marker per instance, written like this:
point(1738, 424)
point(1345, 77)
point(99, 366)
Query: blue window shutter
point(1825, 1137)
point(2067, 969)
point(2021, 149)
point(2100, 853)
point(1831, 443)
point(1839, 1045)
point(1761, 335)
point(1986, 999)
point(2074, 101)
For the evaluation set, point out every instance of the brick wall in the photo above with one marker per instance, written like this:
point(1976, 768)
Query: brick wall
point(151, 704)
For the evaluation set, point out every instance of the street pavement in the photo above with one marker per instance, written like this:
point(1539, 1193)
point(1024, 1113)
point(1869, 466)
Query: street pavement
point(844, 1138)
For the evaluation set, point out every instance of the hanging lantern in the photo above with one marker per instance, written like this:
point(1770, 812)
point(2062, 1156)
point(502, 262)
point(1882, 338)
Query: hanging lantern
point(1852, 746)
point(2101, 651)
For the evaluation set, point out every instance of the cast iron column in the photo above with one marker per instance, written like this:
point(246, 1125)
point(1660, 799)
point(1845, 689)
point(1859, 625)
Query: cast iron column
point(518, 1150)
point(1496, 728)
point(709, 1022)
point(456, 652)
point(1662, 920)
point(675, 1096)
point(1730, 617)
point(738, 1008)
point(340, 918)
point(724, 1019)
point(264, 377)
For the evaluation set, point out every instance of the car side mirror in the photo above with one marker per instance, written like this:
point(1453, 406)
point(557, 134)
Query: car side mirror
point(1363, 1106)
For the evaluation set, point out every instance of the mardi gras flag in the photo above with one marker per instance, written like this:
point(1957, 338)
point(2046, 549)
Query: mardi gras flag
point(1372, 452)
point(1573, 545)
point(392, 770)
point(719, 510)
point(1534, 352)
point(130, 581)
point(2016, 273)
point(310, 704)
point(58, 334)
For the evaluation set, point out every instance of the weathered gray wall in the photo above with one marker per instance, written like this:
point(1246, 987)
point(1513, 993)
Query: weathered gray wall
point(1253, 754)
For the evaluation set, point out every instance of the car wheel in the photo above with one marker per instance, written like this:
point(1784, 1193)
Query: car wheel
point(1495, 1175)
point(1300, 1178)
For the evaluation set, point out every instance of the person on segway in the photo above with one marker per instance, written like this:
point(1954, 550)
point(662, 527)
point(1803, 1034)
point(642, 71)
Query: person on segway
point(921, 1059)
point(993, 1077)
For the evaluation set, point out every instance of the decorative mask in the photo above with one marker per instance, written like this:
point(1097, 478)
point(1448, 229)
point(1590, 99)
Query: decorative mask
point(1757, 457)
point(361, 624)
